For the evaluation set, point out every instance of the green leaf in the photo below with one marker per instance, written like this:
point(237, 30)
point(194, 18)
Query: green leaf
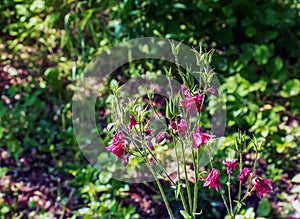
point(87, 16)
point(290, 88)
point(296, 178)
point(250, 31)
point(278, 63)
point(104, 177)
point(179, 6)
point(264, 208)
point(296, 189)
point(262, 54)
point(185, 214)
point(3, 171)
point(4, 210)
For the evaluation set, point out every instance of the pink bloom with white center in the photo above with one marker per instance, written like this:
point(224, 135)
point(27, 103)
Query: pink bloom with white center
point(212, 180)
point(244, 175)
point(262, 186)
point(199, 138)
point(230, 165)
point(116, 147)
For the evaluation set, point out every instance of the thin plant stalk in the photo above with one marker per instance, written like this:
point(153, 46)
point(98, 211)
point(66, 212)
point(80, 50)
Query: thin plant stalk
point(161, 191)
point(229, 196)
point(186, 179)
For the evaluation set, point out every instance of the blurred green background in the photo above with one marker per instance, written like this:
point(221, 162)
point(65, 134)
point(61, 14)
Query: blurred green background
point(44, 48)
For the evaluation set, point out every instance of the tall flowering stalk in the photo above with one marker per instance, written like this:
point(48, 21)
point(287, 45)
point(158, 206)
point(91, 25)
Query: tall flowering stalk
point(137, 139)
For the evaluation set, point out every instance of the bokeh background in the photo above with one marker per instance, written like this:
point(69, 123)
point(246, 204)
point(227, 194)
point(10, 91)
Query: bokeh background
point(44, 49)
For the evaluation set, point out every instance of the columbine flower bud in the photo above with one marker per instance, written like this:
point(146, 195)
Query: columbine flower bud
point(213, 91)
point(160, 137)
point(125, 160)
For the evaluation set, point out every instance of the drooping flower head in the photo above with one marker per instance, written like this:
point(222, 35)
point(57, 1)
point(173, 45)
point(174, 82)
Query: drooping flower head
point(230, 165)
point(262, 186)
point(185, 92)
point(181, 126)
point(132, 122)
point(244, 175)
point(212, 180)
point(148, 132)
point(174, 126)
point(199, 138)
point(116, 147)
point(193, 103)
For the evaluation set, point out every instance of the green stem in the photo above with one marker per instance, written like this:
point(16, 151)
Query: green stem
point(240, 186)
point(157, 181)
point(196, 167)
point(225, 203)
point(241, 169)
point(161, 191)
point(253, 174)
point(178, 179)
point(229, 195)
point(186, 179)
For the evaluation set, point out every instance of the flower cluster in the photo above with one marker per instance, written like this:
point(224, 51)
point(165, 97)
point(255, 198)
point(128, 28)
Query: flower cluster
point(261, 186)
point(189, 140)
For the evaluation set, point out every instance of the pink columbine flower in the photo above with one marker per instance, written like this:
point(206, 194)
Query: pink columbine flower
point(230, 165)
point(125, 160)
point(132, 122)
point(262, 186)
point(148, 132)
point(174, 126)
point(244, 175)
point(182, 126)
point(199, 138)
point(185, 92)
point(116, 147)
point(193, 103)
point(212, 180)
